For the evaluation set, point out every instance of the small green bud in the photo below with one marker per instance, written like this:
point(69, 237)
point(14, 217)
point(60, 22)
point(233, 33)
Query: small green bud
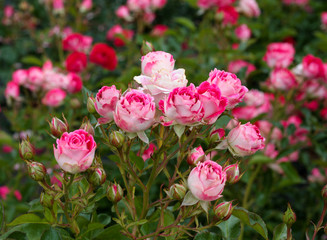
point(58, 127)
point(115, 192)
point(90, 105)
point(177, 191)
point(26, 150)
point(87, 126)
point(97, 177)
point(116, 139)
point(223, 210)
point(46, 200)
point(146, 48)
point(289, 216)
point(36, 170)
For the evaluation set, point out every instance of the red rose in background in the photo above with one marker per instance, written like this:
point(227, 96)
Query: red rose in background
point(104, 56)
point(76, 62)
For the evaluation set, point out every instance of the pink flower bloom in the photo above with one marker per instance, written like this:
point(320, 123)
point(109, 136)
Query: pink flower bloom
point(313, 67)
point(195, 156)
point(54, 97)
point(205, 4)
point(230, 15)
point(279, 55)
point(55, 180)
point(75, 83)
point(18, 195)
point(20, 76)
point(324, 19)
point(237, 65)
point(229, 85)
point(75, 151)
point(217, 134)
point(12, 91)
point(270, 151)
point(149, 17)
point(103, 55)
point(182, 106)
point(294, 119)
point(35, 79)
point(159, 30)
point(135, 111)
point(58, 6)
point(245, 140)
point(76, 62)
point(213, 103)
point(314, 89)
point(8, 11)
point(156, 61)
point(139, 5)
point(316, 176)
point(148, 152)
point(207, 181)
point(86, 5)
point(294, 156)
point(243, 32)
point(312, 105)
point(119, 35)
point(267, 129)
point(77, 42)
point(4, 191)
point(106, 101)
point(323, 113)
point(7, 149)
point(250, 8)
point(123, 13)
point(282, 79)
point(157, 4)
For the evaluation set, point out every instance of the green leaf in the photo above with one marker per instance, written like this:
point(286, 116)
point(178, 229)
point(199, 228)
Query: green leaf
point(280, 232)
point(2, 216)
point(32, 60)
point(231, 228)
point(27, 218)
point(112, 232)
point(207, 236)
point(168, 218)
point(260, 158)
point(51, 234)
point(103, 218)
point(186, 23)
point(252, 220)
point(137, 160)
point(33, 231)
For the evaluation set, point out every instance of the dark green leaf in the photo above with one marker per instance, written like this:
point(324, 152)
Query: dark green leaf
point(27, 218)
point(206, 236)
point(280, 232)
point(231, 228)
point(137, 160)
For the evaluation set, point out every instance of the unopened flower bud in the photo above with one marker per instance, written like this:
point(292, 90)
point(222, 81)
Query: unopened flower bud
point(289, 216)
point(58, 127)
point(146, 48)
point(46, 200)
point(232, 173)
point(87, 126)
point(196, 155)
point(114, 192)
point(324, 193)
point(97, 177)
point(217, 135)
point(177, 191)
point(90, 105)
point(116, 139)
point(36, 170)
point(223, 210)
point(26, 149)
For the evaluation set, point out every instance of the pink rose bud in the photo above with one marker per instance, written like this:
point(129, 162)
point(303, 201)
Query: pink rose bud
point(26, 150)
point(87, 127)
point(91, 105)
point(123, 13)
point(75, 83)
point(4, 191)
point(324, 20)
point(250, 8)
point(58, 127)
point(282, 79)
point(232, 173)
point(229, 85)
point(116, 139)
point(75, 151)
point(54, 97)
point(245, 140)
point(146, 48)
point(217, 135)
point(106, 101)
point(97, 177)
point(196, 155)
point(176, 191)
point(279, 55)
point(289, 216)
point(243, 32)
point(36, 170)
point(156, 61)
point(147, 153)
point(207, 181)
point(12, 91)
point(86, 5)
point(223, 211)
point(114, 192)
point(46, 199)
point(313, 67)
point(135, 111)
point(237, 65)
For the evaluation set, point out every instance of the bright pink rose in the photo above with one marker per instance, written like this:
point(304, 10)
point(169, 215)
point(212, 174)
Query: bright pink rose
point(159, 30)
point(182, 106)
point(270, 151)
point(12, 90)
point(20, 76)
point(18, 195)
point(135, 111)
point(294, 119)
point(207, 181)
point(245, 140)
point(86, 5)
point(282, 79)
point(7, 149)
point(35, 78)
point(54, 97)
point(230, 15)
point(103, 55)
point(157, 4)
point(213, 103)
point(119, 35)
point(314, 89)
point(76, 62)
point(139, 5)
point(77, 42)
point(106, 101)
point(316, 176)
point(123, 12)
point(237, 65)
point(149, 151)
point(75, 83)
point(75, 151)
point(324, 19)
point(8, 11)
point(229, 85)
point(243, 32)
point(156, 61)
point(149, 17)
point(312, 105)
point(196, 155)
point(54, 79)
point(58, 6)
point(4, 191)
point(250, 8)
point(313, 67)
point(279, 55)
point(323, 113)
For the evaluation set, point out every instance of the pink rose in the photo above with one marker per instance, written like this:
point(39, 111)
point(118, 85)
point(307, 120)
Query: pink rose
point(76, 62)
point(114, 34)
point(148, 152)
point(75, 83)
point(123, 12)
point(159, 30)
point(196, 155)
point(182, 106)
point(8, 11)
point(207, 181)
point(294, 156)
point(316, 176)
point(4, 191)
point(267, 129)
point(106, 101)
point(7, 149)
point(282, 79)
point(243, 32)
point(75, 151)
point(156, 61)
point(149, 17)
point(250, 8)
point(312, 105)
point(313, 67)
point(77, 42)
point(229, 85)
point(205, 4)
point(53, 79)
point(324, 19)
point(157, 4)
point(18, 195)
point(323, 113)
point(86, 5)
point(58, 6)
point(54, 97)
point(135, 111)
point(213, 103)
point(270, 151)
point(279, 55)
point(35, 78)
point(12, 91)
point(314, 89)
point(237, 65)
point(20, 76)
point(230, 15)
point(139, 5)
point(245, 140)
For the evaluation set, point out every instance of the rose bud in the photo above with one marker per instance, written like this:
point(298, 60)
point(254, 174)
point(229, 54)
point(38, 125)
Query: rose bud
point(289, 216)
point(91, 105)
point(196, 155)
point(26, 149)
point(98, 176)
point(46, 200)
point(223, 210)
point(146, 48)
point(232, 173)
point(324, 192)
point(177, 191)
point(87, 127)
point(116, 138)
point(75, 151)
point(58, 127)
point(217, 135)
point(207, 181)
point(115, 192)
point(36, 170)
